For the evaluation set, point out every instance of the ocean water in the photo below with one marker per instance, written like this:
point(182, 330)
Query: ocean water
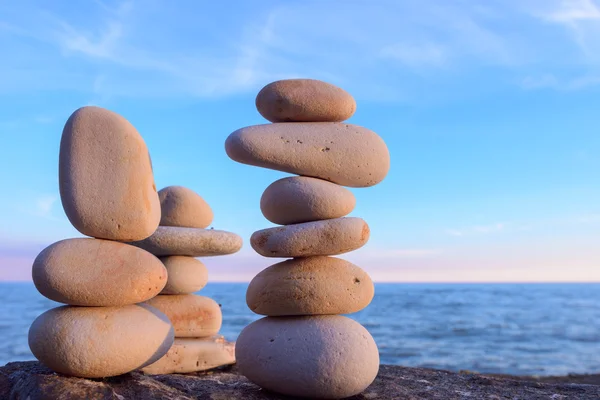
point(525, 329)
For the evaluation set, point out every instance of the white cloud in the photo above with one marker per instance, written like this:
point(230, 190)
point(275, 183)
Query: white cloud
point(478, 229)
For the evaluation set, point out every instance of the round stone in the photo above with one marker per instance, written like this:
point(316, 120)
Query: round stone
point(318, 238)
point(300, 199)
point(190, 314)
point(318, 357)
point(186, 275)
point(105, 177)
point(192, 242)
point(96, 272)
point(181, 206)
point(310, 286)
point(193, 355)
point(304, 100)
point(348, 155)
point(98, 342)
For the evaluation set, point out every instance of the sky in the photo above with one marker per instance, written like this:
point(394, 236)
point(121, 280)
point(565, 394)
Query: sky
point(489, 110)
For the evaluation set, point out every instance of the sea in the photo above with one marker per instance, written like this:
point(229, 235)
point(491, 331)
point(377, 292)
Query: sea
point(517, 329)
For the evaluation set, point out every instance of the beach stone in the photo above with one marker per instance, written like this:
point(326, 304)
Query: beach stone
point(319, 357)
point(300, 199)
point(98, 342)
point(186, 275)
point(96, 272)
point(193, 355)
point(192, 242)
point(318, 238)
point(181, 206)
point(191, 315)
point(310, 286)
point(348, 155)
point(304, 100)
point(105, 177)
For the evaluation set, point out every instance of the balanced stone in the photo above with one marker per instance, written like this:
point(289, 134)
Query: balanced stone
point(310, 286)
point(192, 242)
point(302, 199)
point(105, 177)
point(348, 155)
point(96, 272)
point(98, 342)
point(181, 206)
point(318, 238)
point(304, 100)
point(192, 355)
point(324, 357)
point(191, 315)
point(186, 275)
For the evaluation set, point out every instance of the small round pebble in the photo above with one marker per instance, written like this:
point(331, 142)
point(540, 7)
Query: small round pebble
point(186, 275)
point(181, 206)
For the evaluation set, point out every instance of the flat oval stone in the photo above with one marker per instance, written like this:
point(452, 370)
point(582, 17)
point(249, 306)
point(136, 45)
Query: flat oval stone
point(190, 314)
point(318, 238)
point(186, 275)
point(348, 155)
point(300, 199)
point(193, 355)
point(96, 272)
point(181, 206)
point(304, 100)
point(310, 286)
point(105, 177)
point(98, 342)
point(318, 357)
point(193, 242)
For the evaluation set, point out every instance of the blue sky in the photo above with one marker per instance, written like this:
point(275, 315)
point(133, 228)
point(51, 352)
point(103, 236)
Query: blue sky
point(489, 109)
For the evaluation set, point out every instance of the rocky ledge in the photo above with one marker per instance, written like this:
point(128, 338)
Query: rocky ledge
point(32, 381)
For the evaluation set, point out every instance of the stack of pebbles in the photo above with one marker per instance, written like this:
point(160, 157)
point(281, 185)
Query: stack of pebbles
point(180, 238)
point(303, 348)
point(108, 193)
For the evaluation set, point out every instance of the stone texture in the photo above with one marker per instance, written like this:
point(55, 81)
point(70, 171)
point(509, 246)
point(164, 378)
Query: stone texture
point(186, 275)
point(192, 355)
point(304, 100)
point(327, 357)
point(96, 342)
point(192, 242)
point(310, 286)
point(32, 381)
point(181, 206)
point(191, 315)
point(348, 155)
point(105, 177)
point(300, 199)
point(96, 272)
point(319, 238)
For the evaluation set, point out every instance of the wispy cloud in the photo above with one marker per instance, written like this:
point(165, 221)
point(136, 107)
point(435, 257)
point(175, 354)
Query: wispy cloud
point(478, 229)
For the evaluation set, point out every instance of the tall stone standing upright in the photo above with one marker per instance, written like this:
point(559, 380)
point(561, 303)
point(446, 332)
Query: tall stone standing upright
point(303, 348)
point(108, 193)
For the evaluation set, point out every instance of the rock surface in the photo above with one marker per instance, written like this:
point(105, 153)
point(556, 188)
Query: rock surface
point(300, 199)
point(105, 177)
point(310, 286)
point(191, 315)
point(96, 342)
point(348, 155)
point(304, 100)
point(319, 238)
point(186, 275)
point(327, 357)
point(194, 354)
point(96, 272)
point(181, 206)
point(193, 242)
point(32, 381)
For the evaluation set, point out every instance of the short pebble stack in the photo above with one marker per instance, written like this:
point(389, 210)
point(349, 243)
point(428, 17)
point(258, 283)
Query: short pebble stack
point(303, 348)
point(108, 193)
point(182, 236)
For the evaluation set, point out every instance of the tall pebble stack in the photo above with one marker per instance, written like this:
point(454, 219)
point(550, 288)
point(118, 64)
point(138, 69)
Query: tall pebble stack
point(302, 347)
point(108, 193)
